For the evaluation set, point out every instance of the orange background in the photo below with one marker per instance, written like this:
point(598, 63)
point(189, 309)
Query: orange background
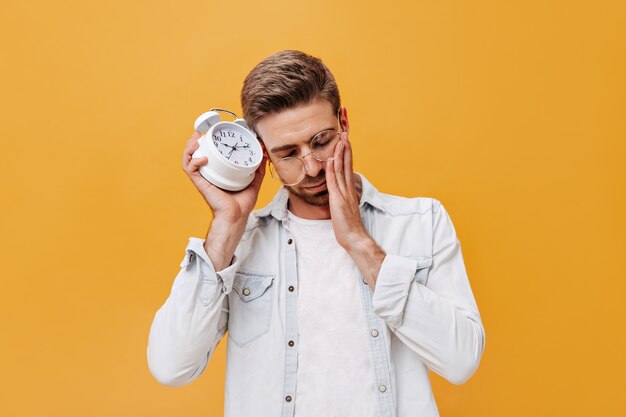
point(511, 113)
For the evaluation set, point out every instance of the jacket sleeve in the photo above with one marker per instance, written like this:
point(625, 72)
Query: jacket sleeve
point(437, 316)
point(188, 327)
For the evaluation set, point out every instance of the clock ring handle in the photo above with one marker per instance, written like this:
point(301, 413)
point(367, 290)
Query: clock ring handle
point(225, 111)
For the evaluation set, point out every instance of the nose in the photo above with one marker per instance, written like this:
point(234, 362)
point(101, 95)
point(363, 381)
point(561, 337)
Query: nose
point(312, 166)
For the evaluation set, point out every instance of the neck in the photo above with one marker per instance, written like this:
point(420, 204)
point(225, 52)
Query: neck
point(308, 211)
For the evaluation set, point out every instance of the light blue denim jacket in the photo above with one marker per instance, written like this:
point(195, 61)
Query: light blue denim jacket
point(421, 315)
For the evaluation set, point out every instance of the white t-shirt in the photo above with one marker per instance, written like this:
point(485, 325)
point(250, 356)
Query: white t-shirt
point(335, 376)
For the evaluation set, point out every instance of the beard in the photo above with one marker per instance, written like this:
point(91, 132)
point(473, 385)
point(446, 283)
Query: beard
point(318, 199)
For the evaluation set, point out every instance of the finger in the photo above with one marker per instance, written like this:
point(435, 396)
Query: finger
point(338, 167)
point(259, 175)
point(193, 139)
point(331, 179)
point(195, 164)
point(190, 147)
point(188, 154)
point(192, 142)
point(347, 161)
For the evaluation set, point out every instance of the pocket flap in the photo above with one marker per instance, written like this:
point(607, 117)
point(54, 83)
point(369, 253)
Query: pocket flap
point(251, 285)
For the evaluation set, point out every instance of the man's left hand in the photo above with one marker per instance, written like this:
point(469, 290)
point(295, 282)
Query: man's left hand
point(343, 196)
point(346, 215)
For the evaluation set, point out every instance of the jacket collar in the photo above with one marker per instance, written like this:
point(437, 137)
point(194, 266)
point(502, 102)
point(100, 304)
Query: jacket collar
point(277, 208)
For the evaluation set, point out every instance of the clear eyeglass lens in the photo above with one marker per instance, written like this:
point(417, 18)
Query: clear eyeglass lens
point(291, 170)
point(323, 145)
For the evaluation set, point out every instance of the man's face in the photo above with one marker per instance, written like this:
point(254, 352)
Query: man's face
point(289, 133)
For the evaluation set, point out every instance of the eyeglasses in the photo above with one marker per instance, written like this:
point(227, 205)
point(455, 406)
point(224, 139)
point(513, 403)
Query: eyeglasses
point(291, 170)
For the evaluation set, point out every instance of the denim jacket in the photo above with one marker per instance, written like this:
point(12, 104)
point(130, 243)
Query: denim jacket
point(421, 315)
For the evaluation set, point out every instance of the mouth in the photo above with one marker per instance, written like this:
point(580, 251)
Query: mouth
point(319, 187)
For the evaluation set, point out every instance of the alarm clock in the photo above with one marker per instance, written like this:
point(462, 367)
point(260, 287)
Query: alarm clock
point(233, 150)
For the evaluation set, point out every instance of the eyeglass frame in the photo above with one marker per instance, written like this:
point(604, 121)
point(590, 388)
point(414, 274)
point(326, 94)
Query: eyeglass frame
point(301, 158)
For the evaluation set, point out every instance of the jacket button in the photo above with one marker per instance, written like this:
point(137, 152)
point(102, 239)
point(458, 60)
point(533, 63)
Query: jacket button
point(288, 398)
point(382, 388)
point(291, 288)
point(291, 343)
point(374, 333)
point(246, 291)
point(290, 241)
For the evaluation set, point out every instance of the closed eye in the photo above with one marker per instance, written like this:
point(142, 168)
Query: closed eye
point(321, 138)
point(288, 154)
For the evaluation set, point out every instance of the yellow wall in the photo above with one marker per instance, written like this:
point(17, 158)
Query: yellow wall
point(512, 113)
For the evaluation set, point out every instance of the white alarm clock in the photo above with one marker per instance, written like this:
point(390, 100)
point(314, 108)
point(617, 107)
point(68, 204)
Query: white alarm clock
point(233, 151)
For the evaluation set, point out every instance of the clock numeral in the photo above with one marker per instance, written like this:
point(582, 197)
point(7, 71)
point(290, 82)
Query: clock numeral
point(217, 138)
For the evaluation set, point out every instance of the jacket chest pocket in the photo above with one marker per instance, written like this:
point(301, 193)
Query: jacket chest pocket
point(250, 306)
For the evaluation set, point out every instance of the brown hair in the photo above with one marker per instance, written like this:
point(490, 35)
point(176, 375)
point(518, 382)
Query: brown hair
point(285, 80)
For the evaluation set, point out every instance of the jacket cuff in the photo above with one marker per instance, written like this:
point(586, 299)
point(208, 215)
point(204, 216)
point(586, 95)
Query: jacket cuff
point(227, 275)
point(392, 288)
point(195, 249)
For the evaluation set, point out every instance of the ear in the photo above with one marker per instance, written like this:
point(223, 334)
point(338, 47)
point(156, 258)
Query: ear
point(343, 119)
point(263, 148)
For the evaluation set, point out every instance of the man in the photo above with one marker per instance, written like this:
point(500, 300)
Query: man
point(337, 299)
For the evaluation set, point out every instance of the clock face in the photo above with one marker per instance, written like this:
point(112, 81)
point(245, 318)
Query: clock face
point(236, 146)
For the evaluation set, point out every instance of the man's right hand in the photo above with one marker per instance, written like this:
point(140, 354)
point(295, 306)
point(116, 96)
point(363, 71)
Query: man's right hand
point(230, 208)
